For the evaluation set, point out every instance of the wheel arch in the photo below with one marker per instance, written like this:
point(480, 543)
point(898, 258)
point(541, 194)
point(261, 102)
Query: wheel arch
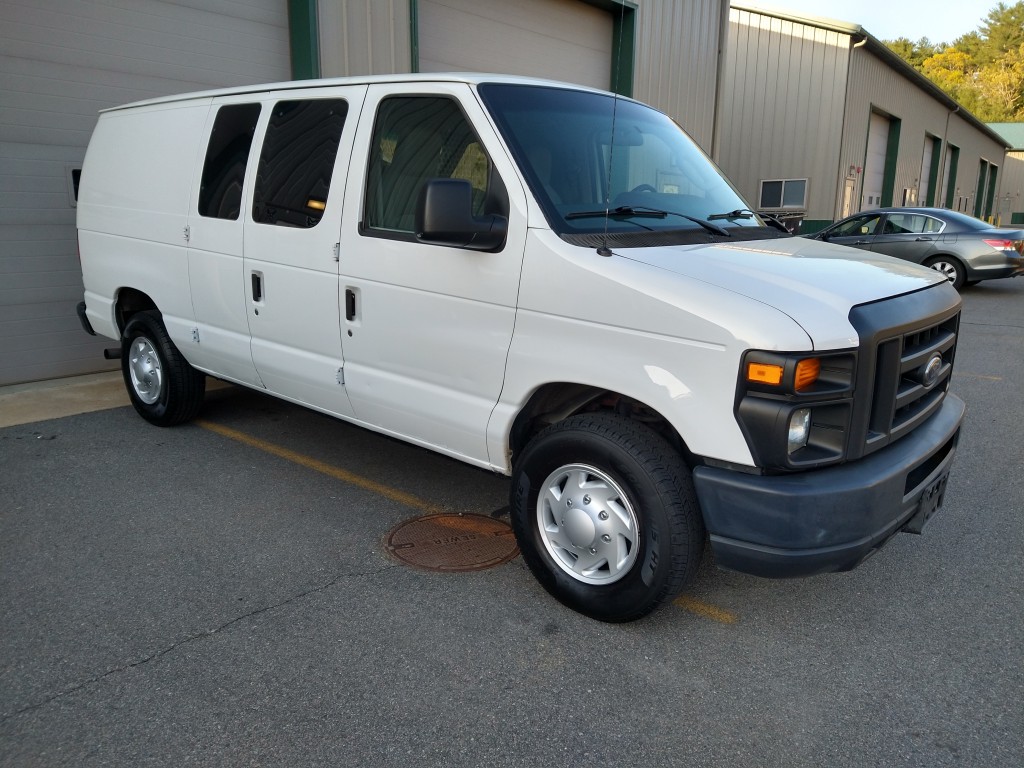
point(556, 401)
point(128, 303)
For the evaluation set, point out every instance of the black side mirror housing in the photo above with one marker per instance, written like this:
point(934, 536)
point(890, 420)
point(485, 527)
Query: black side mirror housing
point(444, 216)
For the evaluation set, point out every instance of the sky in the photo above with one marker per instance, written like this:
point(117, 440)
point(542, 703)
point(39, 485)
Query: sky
point(938, 20)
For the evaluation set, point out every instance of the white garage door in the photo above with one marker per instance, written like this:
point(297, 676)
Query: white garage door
point(559, 39)
point(60, 63)
point(874, 164)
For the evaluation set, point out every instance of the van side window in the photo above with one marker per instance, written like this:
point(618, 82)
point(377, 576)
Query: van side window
point(416, 138)
point(297, 161)
point(220, 195)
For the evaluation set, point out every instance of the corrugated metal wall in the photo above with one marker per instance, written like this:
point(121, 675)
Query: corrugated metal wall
point(362, 38)
point(675, 49)
point(677, 61)
point(781, 114)
point(60, 63)
point(874, 85)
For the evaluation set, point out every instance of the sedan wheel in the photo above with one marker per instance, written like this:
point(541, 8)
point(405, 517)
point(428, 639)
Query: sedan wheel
point(951, 268)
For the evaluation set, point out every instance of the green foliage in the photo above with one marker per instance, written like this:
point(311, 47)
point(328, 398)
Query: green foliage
point(983, 69)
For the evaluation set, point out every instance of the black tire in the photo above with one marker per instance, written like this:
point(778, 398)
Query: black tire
point(950, 267)
point(635, 471)
point(163, 387)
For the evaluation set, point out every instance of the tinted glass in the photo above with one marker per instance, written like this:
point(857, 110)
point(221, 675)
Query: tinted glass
point(297, 160)
point(415, 139)
point(911, 223)
point(771, 194)
point(862, 225)
point(794, 193)
point(220, 194)
point(583, 152)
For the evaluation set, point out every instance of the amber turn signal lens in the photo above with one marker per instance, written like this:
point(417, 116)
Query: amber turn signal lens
point(762, 373)
point(316, 205)
point(807, 372)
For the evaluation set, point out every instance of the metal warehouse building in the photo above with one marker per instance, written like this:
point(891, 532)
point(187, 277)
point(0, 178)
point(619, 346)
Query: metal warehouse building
point(1011, 195)
point(818, 119)
point(61, 62)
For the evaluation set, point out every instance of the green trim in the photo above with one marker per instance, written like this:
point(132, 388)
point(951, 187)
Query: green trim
point(933, 173)
point(623, 14)
point(414, 36)
point(304, 37)
point(989, 203)
point(954, 161)
point(810, 226)
point(623, 51)
point(892, 153)
point(979, 197)
point(1017, 218)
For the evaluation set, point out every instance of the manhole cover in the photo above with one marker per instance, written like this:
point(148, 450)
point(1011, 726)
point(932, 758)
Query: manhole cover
point(453, 542)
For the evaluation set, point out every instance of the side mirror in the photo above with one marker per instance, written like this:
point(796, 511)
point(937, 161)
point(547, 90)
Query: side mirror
point(444, 216)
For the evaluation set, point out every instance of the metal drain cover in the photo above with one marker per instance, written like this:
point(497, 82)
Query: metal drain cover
point(452, 542)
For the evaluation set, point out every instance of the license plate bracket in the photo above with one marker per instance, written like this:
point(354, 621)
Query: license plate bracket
point(928, 505)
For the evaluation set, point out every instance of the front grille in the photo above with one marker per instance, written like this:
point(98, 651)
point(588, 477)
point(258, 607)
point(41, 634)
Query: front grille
point(897, 350)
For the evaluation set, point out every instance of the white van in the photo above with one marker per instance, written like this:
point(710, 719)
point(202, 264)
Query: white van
point(543, 280)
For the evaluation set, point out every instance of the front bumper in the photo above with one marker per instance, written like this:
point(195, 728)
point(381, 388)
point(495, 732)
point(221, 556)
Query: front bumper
point(829, 519)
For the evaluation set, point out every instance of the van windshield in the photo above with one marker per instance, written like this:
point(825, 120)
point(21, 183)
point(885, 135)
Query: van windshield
point(645, 175)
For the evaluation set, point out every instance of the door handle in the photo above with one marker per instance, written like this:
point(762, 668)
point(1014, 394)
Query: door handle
point(862, 242)
point(923, 239)
point(257, 287)
point(350, 304)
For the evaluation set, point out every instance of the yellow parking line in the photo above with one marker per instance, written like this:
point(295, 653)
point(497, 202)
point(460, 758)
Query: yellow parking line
point(319, 466)
point(699, 607)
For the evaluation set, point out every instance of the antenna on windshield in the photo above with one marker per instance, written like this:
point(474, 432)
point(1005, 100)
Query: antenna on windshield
point(604, 250)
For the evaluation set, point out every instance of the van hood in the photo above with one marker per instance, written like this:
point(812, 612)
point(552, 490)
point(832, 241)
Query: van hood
point(814, 283)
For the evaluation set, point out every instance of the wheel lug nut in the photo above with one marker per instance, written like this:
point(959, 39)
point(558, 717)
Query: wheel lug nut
point(606, 538)
point(593, 550)
point(568, 503)
point(586, 499)
point(603, 515)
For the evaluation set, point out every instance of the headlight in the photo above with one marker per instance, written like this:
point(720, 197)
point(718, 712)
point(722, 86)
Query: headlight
point(795, 409)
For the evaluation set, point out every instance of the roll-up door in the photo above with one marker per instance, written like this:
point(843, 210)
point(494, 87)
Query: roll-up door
point(559, 39)
point(874, 165)
point(60, 63)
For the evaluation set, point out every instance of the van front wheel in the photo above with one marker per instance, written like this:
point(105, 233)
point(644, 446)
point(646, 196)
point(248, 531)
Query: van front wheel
point(164, 389)
point(606, 517)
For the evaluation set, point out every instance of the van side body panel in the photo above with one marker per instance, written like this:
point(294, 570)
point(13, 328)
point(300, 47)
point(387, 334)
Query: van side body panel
point(133, 211)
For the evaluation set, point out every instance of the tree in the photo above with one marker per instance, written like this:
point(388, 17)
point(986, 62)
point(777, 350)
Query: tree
point(983, 69)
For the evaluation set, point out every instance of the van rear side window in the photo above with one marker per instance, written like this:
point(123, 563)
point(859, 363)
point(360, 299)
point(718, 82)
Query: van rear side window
point(220, 196)
point(294, 174)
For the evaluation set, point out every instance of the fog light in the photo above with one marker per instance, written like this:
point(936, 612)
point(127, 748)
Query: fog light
point(799, 429)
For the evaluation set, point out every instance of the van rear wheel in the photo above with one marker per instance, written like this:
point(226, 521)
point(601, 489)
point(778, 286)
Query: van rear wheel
point(606, 517)
point(164, 389)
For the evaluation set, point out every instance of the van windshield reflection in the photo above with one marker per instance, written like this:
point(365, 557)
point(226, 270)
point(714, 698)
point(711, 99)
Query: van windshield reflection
point(596, 163)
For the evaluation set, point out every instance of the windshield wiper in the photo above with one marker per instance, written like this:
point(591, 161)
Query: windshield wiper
point(627, 211)
point(746, 213)
point(739, 213)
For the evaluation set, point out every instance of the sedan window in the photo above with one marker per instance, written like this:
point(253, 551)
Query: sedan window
point(911, 223)
point(862, 225)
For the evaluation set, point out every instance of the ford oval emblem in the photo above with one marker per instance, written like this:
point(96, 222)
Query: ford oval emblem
point(930, 371)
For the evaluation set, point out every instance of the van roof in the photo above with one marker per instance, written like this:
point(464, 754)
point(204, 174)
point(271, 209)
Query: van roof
point(432, 77)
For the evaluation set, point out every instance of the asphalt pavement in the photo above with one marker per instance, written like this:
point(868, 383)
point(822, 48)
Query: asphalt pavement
point(183, 597)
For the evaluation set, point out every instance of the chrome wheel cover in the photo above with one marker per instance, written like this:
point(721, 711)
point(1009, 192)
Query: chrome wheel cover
point(946, 268)
point(145, 370)
point(587, 524)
